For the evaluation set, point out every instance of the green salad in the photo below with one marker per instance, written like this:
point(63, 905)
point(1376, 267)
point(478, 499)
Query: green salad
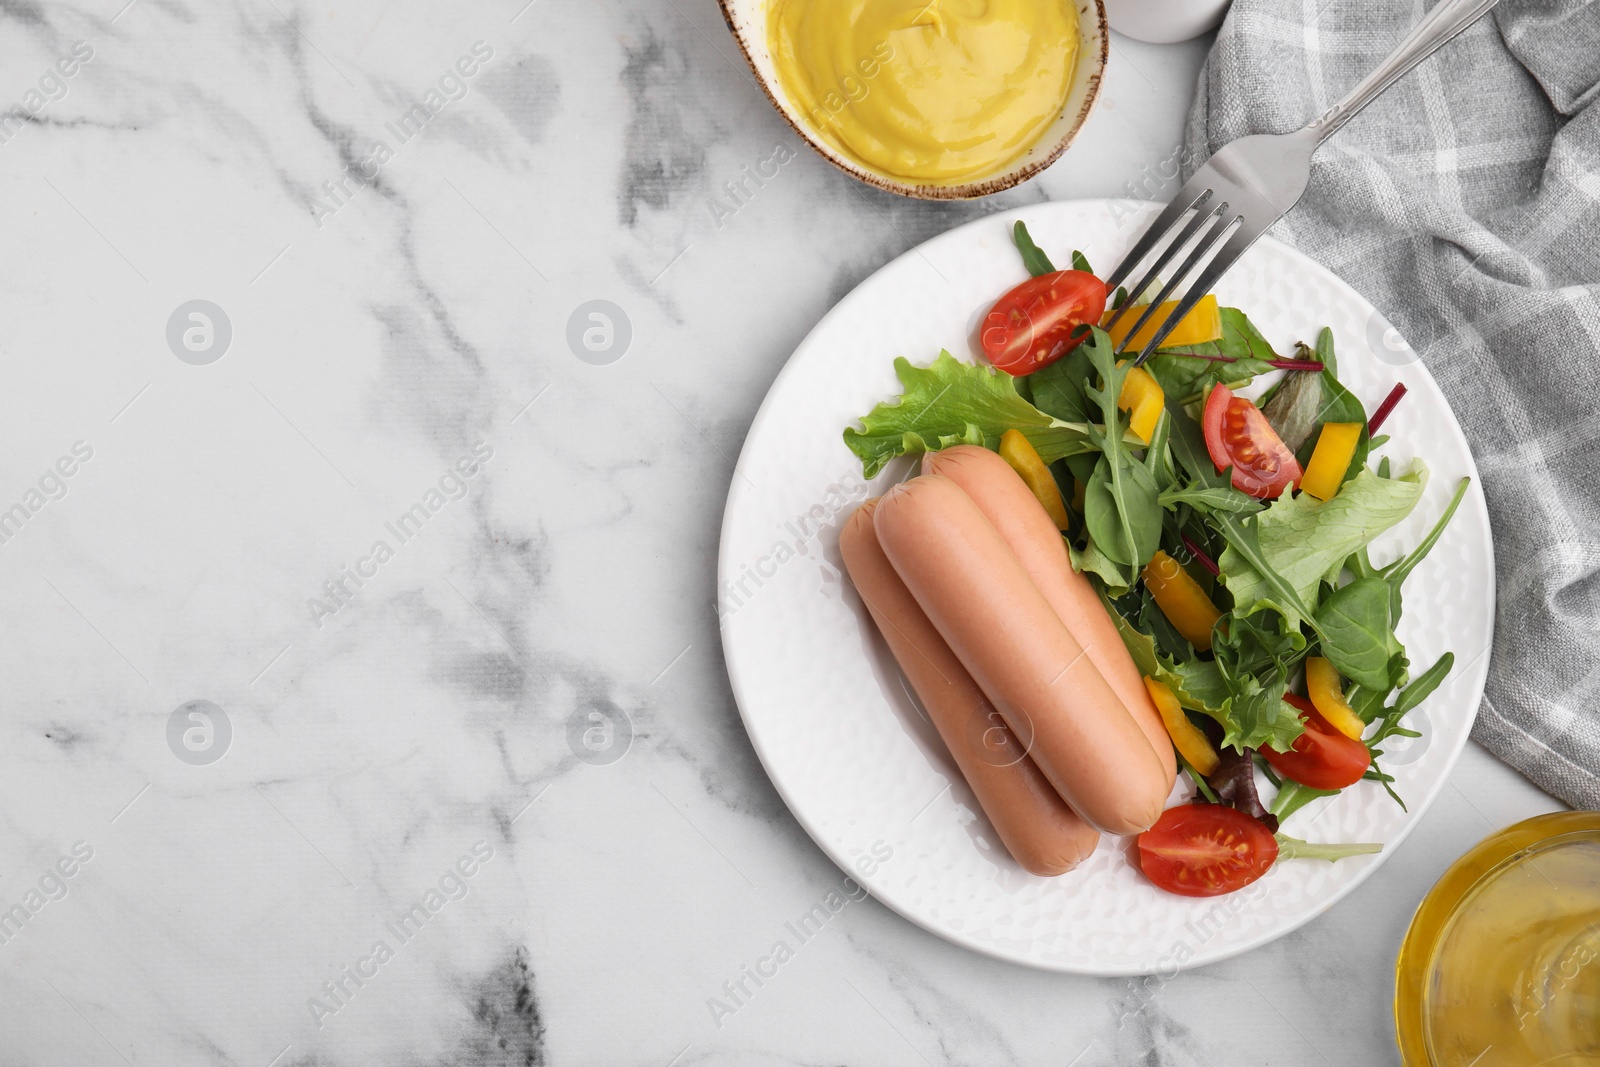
point(1229, 538)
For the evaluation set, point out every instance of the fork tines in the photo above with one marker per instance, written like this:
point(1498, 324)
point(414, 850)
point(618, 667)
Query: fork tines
point(1212, 222)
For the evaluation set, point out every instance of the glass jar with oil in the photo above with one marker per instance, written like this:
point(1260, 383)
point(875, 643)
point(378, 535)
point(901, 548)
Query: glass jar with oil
point(1501, 965)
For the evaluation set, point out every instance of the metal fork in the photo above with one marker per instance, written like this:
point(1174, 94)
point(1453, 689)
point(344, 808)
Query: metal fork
point(1252, 182)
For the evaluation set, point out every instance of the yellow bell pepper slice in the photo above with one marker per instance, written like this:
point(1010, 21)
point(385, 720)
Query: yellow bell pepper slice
point(1336, 447)
point(1017, 450)
point(1191, 743)
point(1203, 323)
point(1327, 696)
point(1181, 599)
point(1143, 397)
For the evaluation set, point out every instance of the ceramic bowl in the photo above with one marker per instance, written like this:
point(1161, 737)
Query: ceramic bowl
point(1166, 21)
point(747, 19)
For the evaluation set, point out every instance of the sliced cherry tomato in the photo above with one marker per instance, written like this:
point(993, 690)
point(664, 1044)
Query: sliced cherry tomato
point(1032, 326)
point(1322, 757)
point(1239, 436)
point(1205, 850)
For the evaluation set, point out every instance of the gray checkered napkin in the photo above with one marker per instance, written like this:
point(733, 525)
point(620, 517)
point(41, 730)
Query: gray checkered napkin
point(1465, 204)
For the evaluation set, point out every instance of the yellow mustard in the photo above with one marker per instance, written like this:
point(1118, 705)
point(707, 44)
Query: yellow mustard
point(926, 91)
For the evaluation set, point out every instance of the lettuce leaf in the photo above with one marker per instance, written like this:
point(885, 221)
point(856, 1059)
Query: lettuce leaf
point(1306, 541)
point(1256, 714)
point(1250, 714)
point(954, 403)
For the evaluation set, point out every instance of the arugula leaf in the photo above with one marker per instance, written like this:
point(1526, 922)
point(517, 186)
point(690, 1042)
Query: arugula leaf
point(1212, 499)
point(1079, 262)
point(1241, 534)
point(1357, 630)
point(1293, 796)
point(1120, 505)
point(1141, 646)
point(1367, 703)
point(1304, 542)
point(1032, 257)
point(1422, 688)
point(950, 403)
point(1324, 352)
point(1198, 779)
point(1156, 458)
point(1275, 591)
point(1413, 694)
point(1398, 571)
point(1376, 774)
point(1188, 444)
point(1257, 644)
point(1184, 378)
point(1292, 848)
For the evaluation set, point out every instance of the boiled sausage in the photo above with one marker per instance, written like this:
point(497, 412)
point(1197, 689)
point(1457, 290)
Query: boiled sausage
point(1037, 675)
point(1037, 827)
point(1013, 510)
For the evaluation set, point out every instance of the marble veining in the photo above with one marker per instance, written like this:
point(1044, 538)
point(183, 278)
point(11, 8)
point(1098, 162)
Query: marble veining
point(269, 751)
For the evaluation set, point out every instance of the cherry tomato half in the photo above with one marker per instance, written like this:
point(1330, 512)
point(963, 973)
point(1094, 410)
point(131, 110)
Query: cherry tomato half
point(1205, 850)
point(1032, 325)
point(1322, 757)
point(1238, 435)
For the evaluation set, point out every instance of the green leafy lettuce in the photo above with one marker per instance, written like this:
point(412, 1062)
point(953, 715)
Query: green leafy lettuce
point(953, 403)
point(1305, 542)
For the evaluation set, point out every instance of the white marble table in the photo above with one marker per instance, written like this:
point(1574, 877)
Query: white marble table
point(384, 361)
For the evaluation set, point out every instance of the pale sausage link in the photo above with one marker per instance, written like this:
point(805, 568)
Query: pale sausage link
point(1037, 827)
point(1033, 670)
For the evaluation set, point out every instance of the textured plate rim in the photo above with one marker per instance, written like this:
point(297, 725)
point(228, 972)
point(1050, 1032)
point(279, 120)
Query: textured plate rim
point(726, 566)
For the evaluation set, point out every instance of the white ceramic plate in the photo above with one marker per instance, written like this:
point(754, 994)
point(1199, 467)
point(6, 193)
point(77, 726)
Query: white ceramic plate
point(855, 758)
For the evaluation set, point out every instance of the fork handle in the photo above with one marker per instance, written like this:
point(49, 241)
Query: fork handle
point(1447, 19)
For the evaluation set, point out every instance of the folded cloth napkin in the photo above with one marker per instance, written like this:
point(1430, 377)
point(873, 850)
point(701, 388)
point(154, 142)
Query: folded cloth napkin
point(1465, 204)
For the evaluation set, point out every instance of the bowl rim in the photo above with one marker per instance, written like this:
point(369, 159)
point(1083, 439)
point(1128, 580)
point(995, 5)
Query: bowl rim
point(1436, 911)
point(967, 190)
